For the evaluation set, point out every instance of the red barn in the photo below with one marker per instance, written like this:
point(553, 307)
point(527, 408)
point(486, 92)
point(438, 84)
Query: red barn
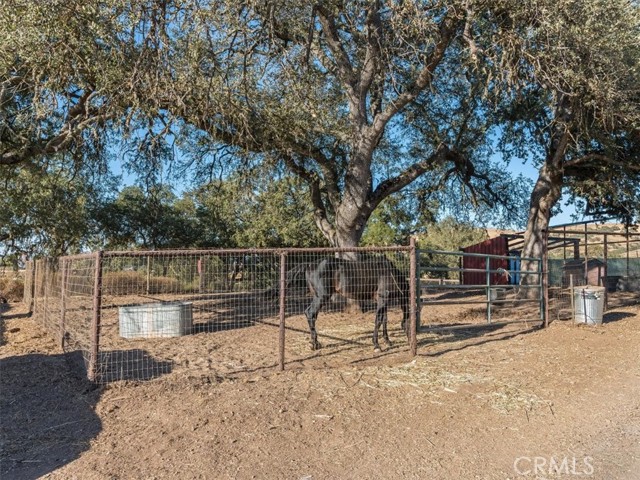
point(493, 246)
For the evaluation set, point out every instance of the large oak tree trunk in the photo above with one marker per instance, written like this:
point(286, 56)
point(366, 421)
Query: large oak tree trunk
point(545, 195)
point(354, 207)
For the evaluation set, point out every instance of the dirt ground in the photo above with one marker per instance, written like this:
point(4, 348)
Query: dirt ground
point(496, 403)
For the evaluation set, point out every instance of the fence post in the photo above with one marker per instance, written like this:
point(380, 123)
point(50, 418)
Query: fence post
point(26, 292)
point(488, 268)
point(282, 306)
point(63, 298)
point(573, 307)
point(148, 275)
point(606, 273)
point(92, 370)
point(32, 287)
point(413, 298)
point(201, 280)
point(586, 255)
point(45, 293)
point(543, 282)
point(627, 242)
point(34, 301)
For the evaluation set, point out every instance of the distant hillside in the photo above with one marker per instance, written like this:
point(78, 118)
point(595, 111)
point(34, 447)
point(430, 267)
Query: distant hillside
point(496, 232)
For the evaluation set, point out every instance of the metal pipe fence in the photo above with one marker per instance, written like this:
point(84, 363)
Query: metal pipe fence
point(499, 299)
point(606, 258)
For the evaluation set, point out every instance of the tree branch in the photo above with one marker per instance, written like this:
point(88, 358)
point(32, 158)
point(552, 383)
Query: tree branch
point(345, 68)
point(319, 208)
point(79, 117)
point(411, 173)
point(374, 47)
point(576, 162)
point(448, 28)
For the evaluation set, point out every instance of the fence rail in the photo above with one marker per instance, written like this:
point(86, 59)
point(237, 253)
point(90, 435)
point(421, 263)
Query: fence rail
point(495, 293)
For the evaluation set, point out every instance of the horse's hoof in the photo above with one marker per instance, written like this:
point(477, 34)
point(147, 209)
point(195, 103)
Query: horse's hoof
point(388, 342)
point(315, 346)
point(377, 350)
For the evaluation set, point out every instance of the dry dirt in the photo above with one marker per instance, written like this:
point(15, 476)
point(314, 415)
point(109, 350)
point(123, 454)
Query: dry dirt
point(508, 403)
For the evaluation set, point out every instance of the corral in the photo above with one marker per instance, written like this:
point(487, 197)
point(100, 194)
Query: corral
point(478, 397)
point(138, 315)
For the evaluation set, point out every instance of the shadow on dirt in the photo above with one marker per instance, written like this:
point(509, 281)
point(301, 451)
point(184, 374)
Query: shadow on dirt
point(133, 364)
point(16, 316)
point(462, 338)
point(48, 416)
point(611, 317)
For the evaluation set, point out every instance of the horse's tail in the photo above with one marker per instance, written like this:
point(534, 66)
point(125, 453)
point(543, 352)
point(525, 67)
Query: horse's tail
point(295, 280)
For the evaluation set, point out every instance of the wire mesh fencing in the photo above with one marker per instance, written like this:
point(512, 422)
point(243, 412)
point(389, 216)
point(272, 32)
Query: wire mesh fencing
point(139, 315)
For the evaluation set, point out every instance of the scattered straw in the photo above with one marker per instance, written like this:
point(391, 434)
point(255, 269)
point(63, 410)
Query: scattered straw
point(509, 398)
point(418, 375)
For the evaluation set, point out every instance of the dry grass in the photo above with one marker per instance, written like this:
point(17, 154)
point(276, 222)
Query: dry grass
point(12, 288)
point(435, 380)
point(417, 374)
point(122, 283)
point(508, 398)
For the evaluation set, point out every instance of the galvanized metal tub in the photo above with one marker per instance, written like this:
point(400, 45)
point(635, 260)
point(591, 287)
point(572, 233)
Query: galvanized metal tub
point(155, 320)
point(589, 304)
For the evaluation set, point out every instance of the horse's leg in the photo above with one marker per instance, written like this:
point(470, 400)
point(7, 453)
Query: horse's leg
point(312, 315)
point(381, 319)
point(405, 316)
point(385, 333)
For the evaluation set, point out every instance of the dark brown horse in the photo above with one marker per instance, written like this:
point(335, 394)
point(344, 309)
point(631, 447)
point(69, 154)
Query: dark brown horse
point(371, 278)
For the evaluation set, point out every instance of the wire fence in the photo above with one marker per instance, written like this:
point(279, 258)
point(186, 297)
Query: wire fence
point(139, 315)
point(489, 292)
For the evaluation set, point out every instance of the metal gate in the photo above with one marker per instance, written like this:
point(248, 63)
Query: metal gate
point(501, 292)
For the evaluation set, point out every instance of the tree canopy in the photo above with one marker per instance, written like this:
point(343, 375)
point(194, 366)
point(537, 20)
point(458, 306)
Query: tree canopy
point(357, 100)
